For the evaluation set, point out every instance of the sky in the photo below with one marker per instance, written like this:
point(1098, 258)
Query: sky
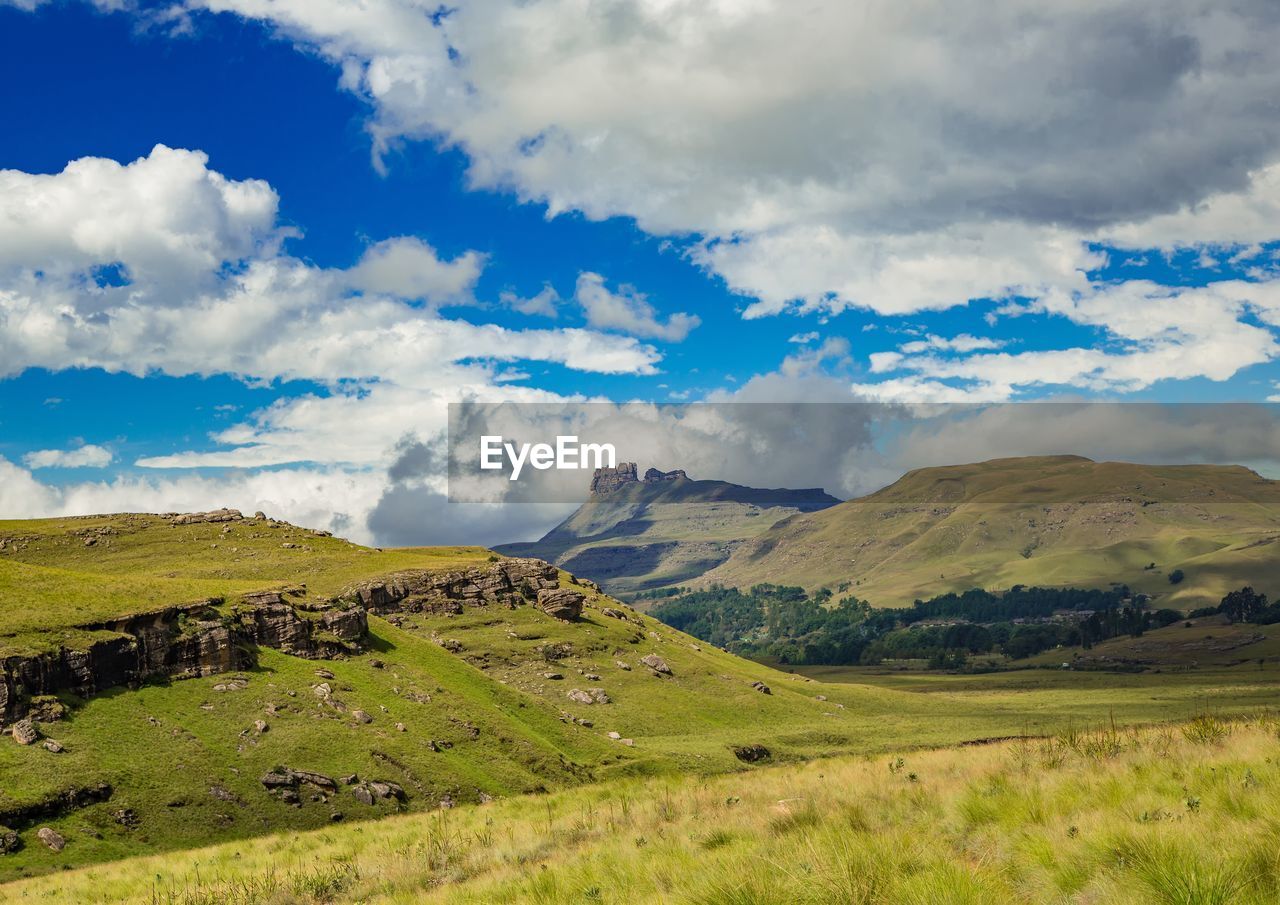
point(251, 249)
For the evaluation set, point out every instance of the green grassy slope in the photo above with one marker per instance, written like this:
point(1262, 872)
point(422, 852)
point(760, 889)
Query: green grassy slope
point(643, 536)
point(1036, 521)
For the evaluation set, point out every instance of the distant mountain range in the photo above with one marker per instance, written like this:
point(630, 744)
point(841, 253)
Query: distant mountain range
point(1185, 534)
point(639, 533)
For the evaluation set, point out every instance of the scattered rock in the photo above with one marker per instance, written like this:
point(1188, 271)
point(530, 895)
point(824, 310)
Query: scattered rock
point(819, 697)
point(361, 716)
point(51, 838)
point(561, 603)
point(127, 818)
point(590, 696)
point(761, 687)
point(616, 614)
point(9, 841)
point(626, 741)
point(622, 665)
point(323, 690)
point(400, 727)
point(452, 645)
point(375, 663)
point(379, 790)
point(336, 816)
point(53, 746)
point(350, 779)
point(591, 677)
point(657, 664)
point(323, 674)
point(552, 675)
point(751, 753)
point(615, 735)
point(24, 733)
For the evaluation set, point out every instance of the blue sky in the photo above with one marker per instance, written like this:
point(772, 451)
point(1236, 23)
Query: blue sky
point(740, 214)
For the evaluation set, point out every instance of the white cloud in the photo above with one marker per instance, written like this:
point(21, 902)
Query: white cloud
point(803, 338)
point(628, 310)
point(86, 456)
point(878, 156)
point(199, 285)
point(545, 303)
point(962, 342)
point(409, 268)
point(1153, 333)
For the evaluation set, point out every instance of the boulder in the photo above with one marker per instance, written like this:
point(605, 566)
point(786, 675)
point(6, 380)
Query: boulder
point(53, 746)
point(761, 687)
point(24, 732)
point(361, 716)
point(51, 838)
point(9, 841)
point(590, 696)
point(657, 664)
point(564, 604)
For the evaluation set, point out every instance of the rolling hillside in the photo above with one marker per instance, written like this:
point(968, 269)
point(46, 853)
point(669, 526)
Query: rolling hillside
point(1061, 520)
point(643, 534)
point(173, 681)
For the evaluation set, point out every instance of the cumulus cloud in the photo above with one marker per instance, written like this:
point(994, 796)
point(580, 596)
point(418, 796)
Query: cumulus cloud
point(628, 311)
point(165, 265)
point(86, 456)
point(885, 156)
point(409, 268)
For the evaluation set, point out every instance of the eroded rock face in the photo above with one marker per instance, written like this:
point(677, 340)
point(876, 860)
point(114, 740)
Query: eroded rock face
point(607, 480)
point(561, 603)
point(190, 641)
point(508, 582)
point(653, 476)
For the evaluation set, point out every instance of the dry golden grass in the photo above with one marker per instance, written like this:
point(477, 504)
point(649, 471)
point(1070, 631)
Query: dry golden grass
point(1183, 815)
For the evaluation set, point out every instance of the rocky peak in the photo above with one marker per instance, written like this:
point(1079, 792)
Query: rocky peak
point(607, 480)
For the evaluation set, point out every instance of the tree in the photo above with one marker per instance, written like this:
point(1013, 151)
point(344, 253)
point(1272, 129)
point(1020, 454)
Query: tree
point(1243, 605)
point(1176, 576)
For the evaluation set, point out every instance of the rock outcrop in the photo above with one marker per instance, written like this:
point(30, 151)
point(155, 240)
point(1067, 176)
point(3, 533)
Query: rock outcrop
point(607, 480)
point(561, 603)
point(180, 642)
point(508, 582)
point(653, 476)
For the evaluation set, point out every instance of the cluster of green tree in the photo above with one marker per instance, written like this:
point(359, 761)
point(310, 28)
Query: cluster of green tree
point(1244, 605)
point(793, 627)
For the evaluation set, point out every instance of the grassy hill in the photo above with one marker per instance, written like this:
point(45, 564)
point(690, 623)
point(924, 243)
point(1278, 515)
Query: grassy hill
point(1048, 521)
point(1173, 815)
point(645, 535)
point(262, 710)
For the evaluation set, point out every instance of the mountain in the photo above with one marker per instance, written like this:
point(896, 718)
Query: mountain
point(1050, 521)
point(634, 534)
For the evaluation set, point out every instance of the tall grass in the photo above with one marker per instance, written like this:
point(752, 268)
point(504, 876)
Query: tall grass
point(1179, 816)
